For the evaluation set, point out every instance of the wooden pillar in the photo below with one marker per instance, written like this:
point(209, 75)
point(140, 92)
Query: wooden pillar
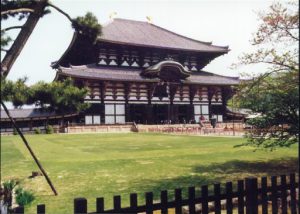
point(174, 113)
point(192, 93)
point(127, 88)
point(149, 114)
point(127, 112)
point(223, 102)
point(170, 108)
point(103, 87)
point(210, 95)
point(30, 124)
point(190, 113)
point(227, 93)
point(172, 91)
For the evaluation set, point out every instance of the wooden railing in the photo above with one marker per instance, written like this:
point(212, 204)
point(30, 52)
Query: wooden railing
point(250, 196)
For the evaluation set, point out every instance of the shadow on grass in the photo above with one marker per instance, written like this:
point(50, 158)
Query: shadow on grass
point(219, 173)
point(268, 168)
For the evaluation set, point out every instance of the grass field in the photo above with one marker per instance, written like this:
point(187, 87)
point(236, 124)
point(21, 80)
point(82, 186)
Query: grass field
point(103, 165)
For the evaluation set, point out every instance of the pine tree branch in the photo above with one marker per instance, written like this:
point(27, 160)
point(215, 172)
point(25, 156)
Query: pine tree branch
point(61, 11)
point(20, 10)
point(11, 28)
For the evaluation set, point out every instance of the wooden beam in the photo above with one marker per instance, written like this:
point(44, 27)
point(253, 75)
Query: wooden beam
point(150, 91)
point(192, 91)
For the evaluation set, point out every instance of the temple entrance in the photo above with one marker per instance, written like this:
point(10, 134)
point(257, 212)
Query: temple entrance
point(182, 113)
point(137, 113)
point(160, 114)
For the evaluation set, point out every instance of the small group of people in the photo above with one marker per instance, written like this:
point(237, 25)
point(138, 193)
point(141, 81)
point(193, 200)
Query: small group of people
point(202, 119)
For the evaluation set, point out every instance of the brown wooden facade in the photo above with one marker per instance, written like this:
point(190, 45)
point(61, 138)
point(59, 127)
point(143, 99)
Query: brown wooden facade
point(146, 81)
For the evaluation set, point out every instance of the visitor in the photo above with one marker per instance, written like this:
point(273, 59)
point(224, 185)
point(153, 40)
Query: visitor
point(201, 120)
point(213, 121)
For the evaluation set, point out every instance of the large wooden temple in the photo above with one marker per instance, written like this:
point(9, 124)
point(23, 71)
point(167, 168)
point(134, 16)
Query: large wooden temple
point(140, 72)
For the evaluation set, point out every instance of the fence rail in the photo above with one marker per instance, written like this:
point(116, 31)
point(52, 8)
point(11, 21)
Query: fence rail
point(250, 194)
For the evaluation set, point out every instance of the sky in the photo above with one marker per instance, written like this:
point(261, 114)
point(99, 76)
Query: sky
point(222, 22)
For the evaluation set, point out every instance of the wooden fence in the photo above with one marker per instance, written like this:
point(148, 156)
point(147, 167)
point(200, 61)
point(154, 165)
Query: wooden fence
point(252, 196)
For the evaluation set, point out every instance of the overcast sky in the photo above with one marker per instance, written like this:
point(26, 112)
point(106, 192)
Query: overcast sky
point(223, 23)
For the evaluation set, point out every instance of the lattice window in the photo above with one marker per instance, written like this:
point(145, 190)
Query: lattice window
point(102, 57)
point(114, 113)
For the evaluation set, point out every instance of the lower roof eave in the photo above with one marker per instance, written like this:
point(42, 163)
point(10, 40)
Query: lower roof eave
point(39, 118)
point(141, 80)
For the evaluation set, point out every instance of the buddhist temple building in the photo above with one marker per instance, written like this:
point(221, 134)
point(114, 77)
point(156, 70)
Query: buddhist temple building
point(140, 72)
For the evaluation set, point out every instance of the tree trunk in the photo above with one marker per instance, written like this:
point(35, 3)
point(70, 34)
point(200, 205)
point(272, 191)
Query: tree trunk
point(19, 43)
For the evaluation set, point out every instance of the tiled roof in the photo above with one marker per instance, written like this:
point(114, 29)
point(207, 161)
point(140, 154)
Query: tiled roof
point(94, 71)
point(124, 31)
point(28, 113)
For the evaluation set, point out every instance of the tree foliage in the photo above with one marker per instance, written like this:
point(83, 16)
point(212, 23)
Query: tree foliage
point(88, 25)
point(56, 96)
point(275, 92)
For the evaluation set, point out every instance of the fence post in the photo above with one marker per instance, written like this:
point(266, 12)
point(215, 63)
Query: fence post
point(192, 194)
point(229, 198)
point(80, 205)
point(164, 201)
point(274, 194)
point(283, 194)
point(217, 202)
point(149, 203)
point(133, 202)
point(41, 209)
point(293, 194)
point(264, 195)
point(204, 195)
point(178, 200)
point(99, 205)
point(251, 196)
point(117, 203)
point(241, 203)
point(19, 210)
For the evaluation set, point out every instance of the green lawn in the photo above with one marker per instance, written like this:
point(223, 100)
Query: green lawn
point(103, 165)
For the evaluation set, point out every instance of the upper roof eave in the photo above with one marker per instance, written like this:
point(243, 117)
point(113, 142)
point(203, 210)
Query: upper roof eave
point(55, 64)
point(141, 33)
point(161, 47)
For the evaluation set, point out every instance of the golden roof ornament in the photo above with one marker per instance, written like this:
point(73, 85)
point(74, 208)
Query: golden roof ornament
point(149, 19)
point(112, 15)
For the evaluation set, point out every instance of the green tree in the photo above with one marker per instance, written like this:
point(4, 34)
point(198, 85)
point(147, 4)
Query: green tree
point(61, 97)
point(274, 93)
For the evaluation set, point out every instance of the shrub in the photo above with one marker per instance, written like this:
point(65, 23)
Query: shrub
point(23, 197)
point(37, 131)
point(15, 131)
point(6, 192)
point(49, 129)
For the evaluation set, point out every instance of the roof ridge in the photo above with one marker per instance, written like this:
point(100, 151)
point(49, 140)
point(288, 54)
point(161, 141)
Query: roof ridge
point(169, 31)
point(131, 20)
